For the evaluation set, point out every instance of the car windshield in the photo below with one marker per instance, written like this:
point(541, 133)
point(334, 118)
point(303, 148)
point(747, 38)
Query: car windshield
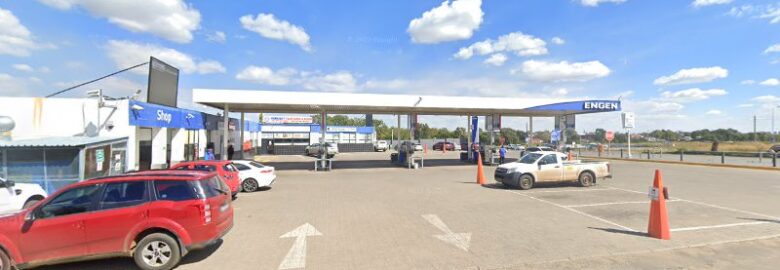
point(256, 164)
point(529, 158)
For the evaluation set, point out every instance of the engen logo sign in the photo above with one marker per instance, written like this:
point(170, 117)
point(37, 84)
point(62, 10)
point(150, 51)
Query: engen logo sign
point(601, 106)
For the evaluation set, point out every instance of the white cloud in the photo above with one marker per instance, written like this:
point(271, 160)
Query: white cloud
point(557, 41)
point(714, 112)
point(768, 99)
point(23, 67)
point(269, 27)
point(217, 36)
point(173, 20)
point(517, 42)
point(266, 75)
point(127, 53)
point(746, 105)
point(496, 59)
point(340, 81)
point(652, 106)
point(456, 20)
point(13, 86)
point(693, 75)
point(396, 84)
point(595, 3)
point(770, 12)
point(560, 92)
point(703, 3)
point(747, 82)
point(773, 48)
point(15, 38)
point(770, 82)
point(693, 94)
point(563, 71)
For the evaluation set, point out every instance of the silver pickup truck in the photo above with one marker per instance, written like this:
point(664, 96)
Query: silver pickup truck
point(548, 166)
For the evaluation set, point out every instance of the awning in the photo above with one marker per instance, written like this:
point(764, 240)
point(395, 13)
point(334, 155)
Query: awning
point(60, 141)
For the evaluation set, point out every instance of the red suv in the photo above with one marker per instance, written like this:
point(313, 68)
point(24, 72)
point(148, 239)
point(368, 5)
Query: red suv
point(439, 145)
point(155, 217)
point(225, 169)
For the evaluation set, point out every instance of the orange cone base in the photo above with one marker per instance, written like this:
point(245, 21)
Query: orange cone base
point(480, 171)
point(658, 226)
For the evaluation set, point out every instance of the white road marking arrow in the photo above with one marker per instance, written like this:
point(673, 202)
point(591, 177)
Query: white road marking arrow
point(460, 240)
point(296, 257)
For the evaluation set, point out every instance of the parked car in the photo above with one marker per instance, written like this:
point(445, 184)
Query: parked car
point(18, 196)
point(441, 145)
point(254, 175)
point(775, 149)
point(381, 146)
point(418, 147)
point(223, 168)
point(314, 150)
point(546, 166)
point(155, 217)
point(538, 149)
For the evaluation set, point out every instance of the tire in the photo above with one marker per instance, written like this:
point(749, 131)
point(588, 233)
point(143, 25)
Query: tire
point(29, 204)
point(525, 182)
point(157, 251)
point(5, 261)
point(249, 185)
point(587, 179)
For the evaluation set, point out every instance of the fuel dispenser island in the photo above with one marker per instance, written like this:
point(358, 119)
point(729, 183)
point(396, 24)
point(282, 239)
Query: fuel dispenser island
point(406, 156)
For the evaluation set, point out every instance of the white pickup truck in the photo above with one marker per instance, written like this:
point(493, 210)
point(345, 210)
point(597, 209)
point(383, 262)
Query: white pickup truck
point(14, 197)
point(549, 166)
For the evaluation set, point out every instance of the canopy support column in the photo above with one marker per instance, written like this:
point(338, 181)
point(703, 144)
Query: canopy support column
point(225, 131)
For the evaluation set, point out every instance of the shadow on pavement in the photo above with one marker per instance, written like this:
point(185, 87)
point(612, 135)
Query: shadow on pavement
point(762, 220)
point(126, 263)
point(612, 230)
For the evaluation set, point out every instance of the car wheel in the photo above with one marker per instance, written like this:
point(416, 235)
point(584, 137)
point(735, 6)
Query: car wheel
point(5, 262)
point(249, 185)
point(587, 179)
point(525, 182)
point(157, 251)
point(28, 204)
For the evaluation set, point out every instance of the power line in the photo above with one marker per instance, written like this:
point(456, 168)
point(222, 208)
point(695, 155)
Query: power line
point(95, 80)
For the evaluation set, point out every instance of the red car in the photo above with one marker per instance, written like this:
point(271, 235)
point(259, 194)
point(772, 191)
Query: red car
point(439, 145)
point(155, 217)
point(225, 169)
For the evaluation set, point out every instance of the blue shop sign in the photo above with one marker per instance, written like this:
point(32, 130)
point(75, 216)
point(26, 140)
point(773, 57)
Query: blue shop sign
point(152, 115)
point(585, 106)
point(193, 119)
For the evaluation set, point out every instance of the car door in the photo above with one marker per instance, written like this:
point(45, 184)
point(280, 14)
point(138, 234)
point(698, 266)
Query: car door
point(121, 208)
point(57, 228)
point(6, 196)
point(549, 168)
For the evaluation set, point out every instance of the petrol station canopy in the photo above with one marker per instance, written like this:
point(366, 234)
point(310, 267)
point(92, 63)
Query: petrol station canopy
point(256, 101)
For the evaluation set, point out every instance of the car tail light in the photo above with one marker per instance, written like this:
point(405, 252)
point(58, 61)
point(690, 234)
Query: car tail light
point(205, 211)
point(266, 171)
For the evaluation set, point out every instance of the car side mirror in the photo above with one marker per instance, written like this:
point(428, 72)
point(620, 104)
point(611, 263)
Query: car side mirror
point(30, 216)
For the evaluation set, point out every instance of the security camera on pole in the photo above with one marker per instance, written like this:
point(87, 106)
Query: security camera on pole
point(628, 124)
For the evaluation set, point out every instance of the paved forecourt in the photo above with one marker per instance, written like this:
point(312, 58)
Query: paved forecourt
point(438, 218)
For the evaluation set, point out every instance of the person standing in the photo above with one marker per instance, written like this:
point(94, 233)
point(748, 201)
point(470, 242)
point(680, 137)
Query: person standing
point(209, 154)
point(502, 154)
point(230, 152)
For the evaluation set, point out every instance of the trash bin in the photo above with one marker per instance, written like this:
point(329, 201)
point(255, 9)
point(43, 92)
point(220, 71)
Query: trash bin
point(394, 157)
point(464, 156)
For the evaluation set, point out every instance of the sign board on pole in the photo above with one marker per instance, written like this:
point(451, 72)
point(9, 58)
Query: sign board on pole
point(609, 136)
point(628, 120)
point(555, 135)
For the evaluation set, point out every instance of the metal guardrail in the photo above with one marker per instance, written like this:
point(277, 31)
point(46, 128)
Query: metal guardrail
point(722, 157)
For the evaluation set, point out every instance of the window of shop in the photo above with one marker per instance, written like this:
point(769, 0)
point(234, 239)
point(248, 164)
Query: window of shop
point(52, 168)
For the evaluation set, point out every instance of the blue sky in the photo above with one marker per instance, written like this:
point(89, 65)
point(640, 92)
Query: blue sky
point(678, 64)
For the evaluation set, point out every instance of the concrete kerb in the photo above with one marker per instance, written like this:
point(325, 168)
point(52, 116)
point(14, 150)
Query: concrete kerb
point(689, 163)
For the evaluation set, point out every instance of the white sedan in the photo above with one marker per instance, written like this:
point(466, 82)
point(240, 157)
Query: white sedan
point(254, 175)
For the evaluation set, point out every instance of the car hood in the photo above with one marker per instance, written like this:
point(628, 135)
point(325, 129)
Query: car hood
point(518, 167)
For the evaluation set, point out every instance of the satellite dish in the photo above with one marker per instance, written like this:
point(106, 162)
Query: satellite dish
point(6, 124)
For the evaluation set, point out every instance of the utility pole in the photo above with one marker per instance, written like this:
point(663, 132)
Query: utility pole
point(755, 135)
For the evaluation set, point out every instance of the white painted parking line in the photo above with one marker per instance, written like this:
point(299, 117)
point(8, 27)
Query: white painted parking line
point(575, 211)
point(614, 203)
point(568, 190)
point(460, 240)
point(773, 218)
point(718, 226)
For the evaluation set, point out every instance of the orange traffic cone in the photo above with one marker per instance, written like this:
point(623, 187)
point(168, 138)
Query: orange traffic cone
point(480, 170)
point(658, 227)
point(425, 148)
